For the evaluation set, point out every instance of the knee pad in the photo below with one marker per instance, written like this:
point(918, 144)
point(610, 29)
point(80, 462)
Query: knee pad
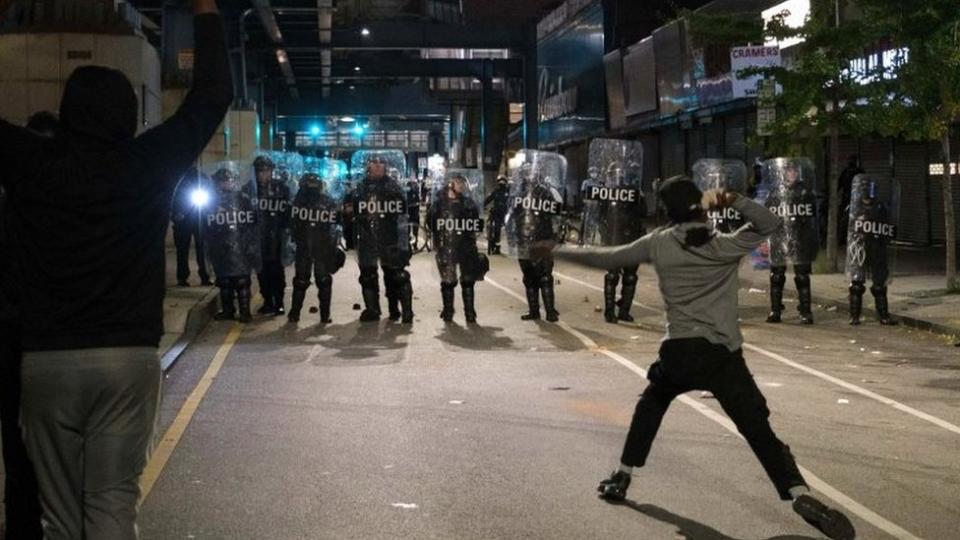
point(466, 284)
point(801, 279)
point(630, 280)
point(324, 280)
point(399, 276)
point(530, 281)
point(778, 276)
point(857, 288)
point(611, 278)
point(447, 285)
point(546, 280)
point(878, 290)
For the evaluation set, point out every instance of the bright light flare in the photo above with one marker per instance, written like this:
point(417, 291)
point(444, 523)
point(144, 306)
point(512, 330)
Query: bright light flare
point(200, 197)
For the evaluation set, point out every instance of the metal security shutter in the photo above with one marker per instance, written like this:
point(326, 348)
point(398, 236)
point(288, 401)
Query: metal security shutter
point(714, 136)
point(875, 157)
point(672, 152)
point(695, 146)
point(936, 192)
point(911, 171)
point(735, 137)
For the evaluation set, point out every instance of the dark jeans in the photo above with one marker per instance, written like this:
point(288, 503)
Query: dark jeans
point(21, 501)
point(273, 281)
point(182, 234)
point(697, 364)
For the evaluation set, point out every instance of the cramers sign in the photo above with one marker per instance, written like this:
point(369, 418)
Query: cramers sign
point(742, 58)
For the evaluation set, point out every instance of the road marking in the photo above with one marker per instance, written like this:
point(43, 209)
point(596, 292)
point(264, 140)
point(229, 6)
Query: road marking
point(166, 447)
point(939, 422)
point(813, 480)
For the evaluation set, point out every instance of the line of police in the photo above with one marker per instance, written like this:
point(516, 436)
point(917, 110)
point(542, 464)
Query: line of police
point(292, 210)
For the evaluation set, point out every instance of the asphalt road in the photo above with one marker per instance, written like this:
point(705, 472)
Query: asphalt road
point(502, 430)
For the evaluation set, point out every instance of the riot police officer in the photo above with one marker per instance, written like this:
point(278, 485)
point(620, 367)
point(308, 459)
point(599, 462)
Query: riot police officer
point(498, 212)
point(532, 222)
point(316, 231)
point(874, 205)
point(614, 208)
point(232, 240)
point(454, 220)
point(273, 200)
point(792, 197)
point(377, 210)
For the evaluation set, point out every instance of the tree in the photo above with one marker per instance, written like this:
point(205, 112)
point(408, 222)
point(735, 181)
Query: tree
point(920, 96)
point(820, 97)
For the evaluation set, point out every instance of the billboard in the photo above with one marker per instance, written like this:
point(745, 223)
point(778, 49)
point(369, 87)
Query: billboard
point(674, 59)
point(640, 78)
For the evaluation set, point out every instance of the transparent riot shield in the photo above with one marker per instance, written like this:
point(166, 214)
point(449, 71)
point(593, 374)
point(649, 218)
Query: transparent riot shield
point(275, 191)
point(231, 226)
point(535, 203)
point(316, 222)
point(728, 175)
point(455, 221)
point(394, 163)
point(874, 218)
point(791, 194)
point(614, 206)
point(377, 208)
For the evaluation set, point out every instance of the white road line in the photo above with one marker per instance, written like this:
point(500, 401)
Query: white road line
point(813, 480)
point(939, 422)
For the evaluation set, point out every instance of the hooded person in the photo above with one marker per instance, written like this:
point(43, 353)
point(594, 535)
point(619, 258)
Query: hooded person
point(89, 210)
point(697, 269)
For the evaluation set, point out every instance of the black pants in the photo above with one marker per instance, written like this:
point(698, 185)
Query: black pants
point(182, 234)
point(493, 231)
point(21, 501)
point(536, 272)
point(273, 281)
point(697, 364)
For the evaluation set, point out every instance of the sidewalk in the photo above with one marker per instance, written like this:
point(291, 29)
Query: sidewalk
point(916, 293)
point(186, 310)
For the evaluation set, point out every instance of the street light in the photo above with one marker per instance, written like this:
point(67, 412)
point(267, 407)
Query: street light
point(365, 32)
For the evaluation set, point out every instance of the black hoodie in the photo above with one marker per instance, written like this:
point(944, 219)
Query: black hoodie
point(87, 210)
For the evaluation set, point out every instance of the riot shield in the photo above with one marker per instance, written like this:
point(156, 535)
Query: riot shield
point(791, 194)
point(231, 227)
point(614, 205)
point(275, 191)
point(455, 221)
point(535, 204)
point(728, 175)
point(315, 218)
point(874, 217)
point(394, 161)
point(378, 209)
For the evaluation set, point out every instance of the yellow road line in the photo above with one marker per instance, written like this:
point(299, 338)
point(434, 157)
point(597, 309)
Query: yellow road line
point(167, 445)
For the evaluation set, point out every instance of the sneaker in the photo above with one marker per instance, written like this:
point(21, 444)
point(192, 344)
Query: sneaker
point(806, 318)
point(615, 487)
point(368, 315)
point(829, 521)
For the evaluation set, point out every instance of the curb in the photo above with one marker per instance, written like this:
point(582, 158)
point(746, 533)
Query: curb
point(197, 318)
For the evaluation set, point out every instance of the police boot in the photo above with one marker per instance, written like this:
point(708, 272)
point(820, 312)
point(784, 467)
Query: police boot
point(446, 293)
point(371, 297)
point(405, 292)
point(802, 281)
point(296, 303)
point(226, 303)
point(533, 301)
point(467, 293)
point(393, 306)
point(546, 290)
point(627, 293)
point(324, 294)
point(243, 301)
point(856, 301)
point(778, 278)
point(610, 297)
point(883, 308)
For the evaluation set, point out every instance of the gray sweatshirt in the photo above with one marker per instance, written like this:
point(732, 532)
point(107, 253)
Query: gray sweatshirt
point(698, 284)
